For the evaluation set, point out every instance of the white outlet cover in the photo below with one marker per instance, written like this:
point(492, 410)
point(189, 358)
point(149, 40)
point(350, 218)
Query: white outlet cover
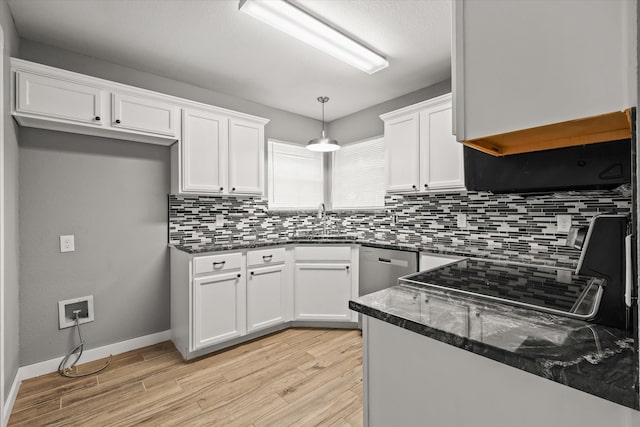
point(564, 276)
point(564, 223)
point(67, 243)
point(462, 220)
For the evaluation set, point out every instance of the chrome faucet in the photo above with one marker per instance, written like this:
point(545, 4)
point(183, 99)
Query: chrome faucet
point(322, 214)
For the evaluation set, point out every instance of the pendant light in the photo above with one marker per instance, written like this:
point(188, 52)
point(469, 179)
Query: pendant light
point(324, 143)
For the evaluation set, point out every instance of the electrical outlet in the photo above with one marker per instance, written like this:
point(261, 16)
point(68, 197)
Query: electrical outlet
point(66, 308)
point(564, 276)
point(564, 223)
point(219, 220)
point(67, 243)
point(462, 220)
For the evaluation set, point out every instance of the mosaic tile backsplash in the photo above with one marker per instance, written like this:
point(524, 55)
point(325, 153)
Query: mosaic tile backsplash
point(502, 226)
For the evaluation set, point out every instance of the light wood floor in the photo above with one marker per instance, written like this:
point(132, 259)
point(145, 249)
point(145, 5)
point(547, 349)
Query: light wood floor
point(294, 377)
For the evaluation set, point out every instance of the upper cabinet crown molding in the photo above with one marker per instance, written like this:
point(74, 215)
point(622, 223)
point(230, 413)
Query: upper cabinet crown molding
point(416, 108)
point(528, 64)
point(18, 64)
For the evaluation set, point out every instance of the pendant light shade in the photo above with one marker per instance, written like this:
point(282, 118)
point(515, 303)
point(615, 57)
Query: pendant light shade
point(324, 143)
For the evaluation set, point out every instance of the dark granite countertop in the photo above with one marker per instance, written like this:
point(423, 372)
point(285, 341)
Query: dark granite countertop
point(199, 247)
point(592, 358)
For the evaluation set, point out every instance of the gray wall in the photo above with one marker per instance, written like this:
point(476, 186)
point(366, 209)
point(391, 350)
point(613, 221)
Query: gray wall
point(366, 123)
point(112, 195)
point(283, 125)
point(11, 303)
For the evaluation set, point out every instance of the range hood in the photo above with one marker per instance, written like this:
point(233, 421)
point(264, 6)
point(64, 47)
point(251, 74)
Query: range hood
point(605, 127)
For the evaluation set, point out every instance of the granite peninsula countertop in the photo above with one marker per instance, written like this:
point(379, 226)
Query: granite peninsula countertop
point(199, 247)
point(592, 358)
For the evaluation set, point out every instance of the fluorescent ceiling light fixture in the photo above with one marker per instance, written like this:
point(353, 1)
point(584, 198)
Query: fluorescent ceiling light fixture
point(294, 21)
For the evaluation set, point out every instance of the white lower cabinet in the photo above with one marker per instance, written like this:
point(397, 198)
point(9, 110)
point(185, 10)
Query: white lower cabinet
point(266, 297)
point(326, 278)
point(218, 308)
point(322, 291)
point(222, 299)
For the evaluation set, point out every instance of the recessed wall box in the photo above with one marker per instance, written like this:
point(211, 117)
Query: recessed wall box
point(66, 309)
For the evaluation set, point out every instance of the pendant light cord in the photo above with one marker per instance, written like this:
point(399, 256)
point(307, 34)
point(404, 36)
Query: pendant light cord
point(66, 371)
point(323, 100)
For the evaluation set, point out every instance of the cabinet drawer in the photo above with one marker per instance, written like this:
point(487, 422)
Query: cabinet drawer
point(265, 257)
point(215, 263)
point(323, 253)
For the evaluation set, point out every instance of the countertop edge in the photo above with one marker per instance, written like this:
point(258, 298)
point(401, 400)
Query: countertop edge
point(628, 398)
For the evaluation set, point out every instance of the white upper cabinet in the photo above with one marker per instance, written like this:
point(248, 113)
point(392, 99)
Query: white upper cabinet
point(204, 141)
point(58, 99)
point(219, 154)
point(145, 114)
point(246, 157)
point(441, 157)
point(218, 151)
point(527, 63)
point(51, 98)
point(402, 143)
point(422, 154)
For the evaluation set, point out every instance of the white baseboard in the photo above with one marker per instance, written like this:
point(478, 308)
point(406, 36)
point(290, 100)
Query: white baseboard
point(11, 398)
point(49, 366)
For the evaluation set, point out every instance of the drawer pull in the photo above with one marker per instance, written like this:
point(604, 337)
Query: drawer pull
point(252, 273)
point(218, 264)
point(387, 260)
point(239, 275)
point(267, 258)
point(347, 267)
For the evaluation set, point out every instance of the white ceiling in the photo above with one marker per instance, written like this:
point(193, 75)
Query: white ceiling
point(210, 44)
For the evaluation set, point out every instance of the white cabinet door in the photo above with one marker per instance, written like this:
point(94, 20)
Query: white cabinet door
point(144, 114)
point(58, 99)
point(402, 142)
point(265, 297)
point(246, 157)
point(527, 63)
point(322, 291)
point(204, 146)
point(441, 156)
point(218, 309)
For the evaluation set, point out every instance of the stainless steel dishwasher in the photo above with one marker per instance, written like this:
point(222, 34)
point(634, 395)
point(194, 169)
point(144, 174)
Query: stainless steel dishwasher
point(381, 268)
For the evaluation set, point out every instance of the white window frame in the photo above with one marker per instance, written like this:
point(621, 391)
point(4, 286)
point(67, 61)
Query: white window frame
point(333, 178)
point(270, 178)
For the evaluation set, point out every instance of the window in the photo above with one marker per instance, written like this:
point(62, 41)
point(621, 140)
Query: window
point(295, 175)
point(358, 175)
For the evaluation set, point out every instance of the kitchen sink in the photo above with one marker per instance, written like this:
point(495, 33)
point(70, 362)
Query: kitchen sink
point(325, 236)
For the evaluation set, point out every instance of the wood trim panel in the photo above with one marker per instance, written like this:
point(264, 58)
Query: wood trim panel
point(590, 130)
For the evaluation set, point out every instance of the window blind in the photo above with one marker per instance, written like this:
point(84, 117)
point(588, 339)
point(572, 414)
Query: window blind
point(295, 177)
point(358, 175)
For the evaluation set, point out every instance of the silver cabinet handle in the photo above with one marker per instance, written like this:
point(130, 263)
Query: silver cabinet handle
point(267, 258)
point(218, 264)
